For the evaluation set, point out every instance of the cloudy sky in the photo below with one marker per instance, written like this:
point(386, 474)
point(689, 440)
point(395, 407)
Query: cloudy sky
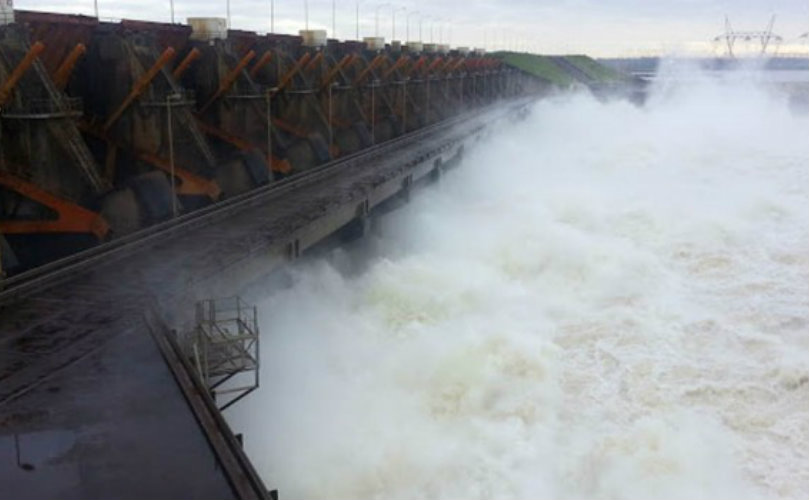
point(599, 28)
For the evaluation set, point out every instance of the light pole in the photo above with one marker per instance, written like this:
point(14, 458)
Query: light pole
point(331, 115)
point(462, 81)
point(95, 7)
point(376, 19)
point(427, 106)
point(272, 16)
point(306, 13)
point(447, 92)
point(357, 34)
point(227, 11)
point(407, 25)
point(373, 111)
point(421, 20)
point(334, 19)
point(270, 93)
point(404, 105)
point(169, 100)
point(171, 4)
point(393, 30)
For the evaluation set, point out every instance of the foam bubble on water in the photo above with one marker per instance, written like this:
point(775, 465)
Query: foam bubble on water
point(605, 301)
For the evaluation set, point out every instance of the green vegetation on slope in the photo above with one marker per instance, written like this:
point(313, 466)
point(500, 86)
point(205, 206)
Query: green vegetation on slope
point(596, 70)
point(562, 71)
point(539, 66)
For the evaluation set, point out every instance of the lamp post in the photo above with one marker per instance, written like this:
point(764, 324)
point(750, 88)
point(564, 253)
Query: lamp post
point(393, 30)
point(272, 16)
point(270, 93)
point(334, 19)
point(331, 116)
point(171, 4)
point(373, 111)
point(227, 12)
point(357, 34)
point(404, 105)
point(170, 98)
point(376, 19)
point(407, 25)
point(427, 106)
point(421, 20)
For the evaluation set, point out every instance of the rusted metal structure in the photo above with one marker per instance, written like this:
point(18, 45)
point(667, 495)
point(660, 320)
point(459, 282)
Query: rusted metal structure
point(111, 127)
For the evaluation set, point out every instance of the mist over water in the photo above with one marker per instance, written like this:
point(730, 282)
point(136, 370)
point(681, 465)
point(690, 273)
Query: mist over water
point(604, 301)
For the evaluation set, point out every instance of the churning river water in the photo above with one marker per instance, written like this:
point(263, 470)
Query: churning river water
point(603, 301)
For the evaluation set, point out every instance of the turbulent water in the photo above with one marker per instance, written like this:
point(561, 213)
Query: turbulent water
point(604, 301)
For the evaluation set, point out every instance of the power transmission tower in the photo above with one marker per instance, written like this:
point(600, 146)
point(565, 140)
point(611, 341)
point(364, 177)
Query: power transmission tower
point(766, 38)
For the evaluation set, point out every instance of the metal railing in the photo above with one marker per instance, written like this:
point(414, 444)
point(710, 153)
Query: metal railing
point(225, 348)
point(173, 98)
point(241, 474)
point(44, 109)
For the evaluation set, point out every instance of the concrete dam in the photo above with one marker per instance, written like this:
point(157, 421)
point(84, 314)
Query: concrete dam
point(148, 170)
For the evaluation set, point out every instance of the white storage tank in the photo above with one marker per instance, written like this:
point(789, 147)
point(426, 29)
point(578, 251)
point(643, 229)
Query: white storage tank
point(313, 38)
point(207, 28)
point(415, 47)
point(430, 48)
point(6, 12)
point(374, 42)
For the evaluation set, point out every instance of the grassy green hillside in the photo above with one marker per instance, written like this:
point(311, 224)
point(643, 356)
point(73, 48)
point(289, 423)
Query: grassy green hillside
point(563, 71)
point(596, 70)
point(540, 66)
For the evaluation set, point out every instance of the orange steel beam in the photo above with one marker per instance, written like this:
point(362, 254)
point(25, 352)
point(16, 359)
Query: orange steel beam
point(288, 127)
point(340, 123)
point(140, 86)
point(432, 67)
point(229, 79)
point(191, 184)
point(192, 56)
point(277, 164)
point(398, 65)
point(314, 62)
point(71, 218)
point(372, 66)
point(447, 67)
point(62, 75)
point(457, 65)
point(287, 78)
point(332, 74)
point(416, 67)
point(19, 71)
point(266, 58)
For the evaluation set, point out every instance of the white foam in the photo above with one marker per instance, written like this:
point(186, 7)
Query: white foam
point(603, 302)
